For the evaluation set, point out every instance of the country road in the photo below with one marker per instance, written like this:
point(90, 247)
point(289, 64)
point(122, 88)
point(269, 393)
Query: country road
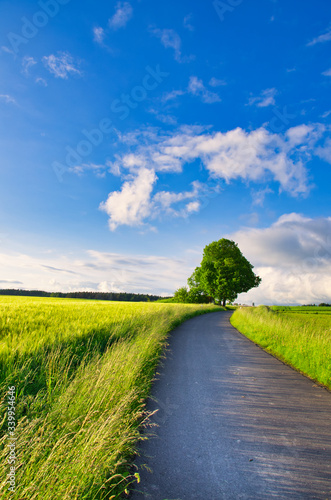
point(233, 422)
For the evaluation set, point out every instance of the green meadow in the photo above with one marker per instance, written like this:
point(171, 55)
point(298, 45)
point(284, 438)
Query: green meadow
point(299, 336)
point(82, 370)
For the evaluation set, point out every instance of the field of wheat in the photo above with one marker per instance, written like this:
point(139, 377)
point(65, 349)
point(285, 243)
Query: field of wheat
point(81, 371)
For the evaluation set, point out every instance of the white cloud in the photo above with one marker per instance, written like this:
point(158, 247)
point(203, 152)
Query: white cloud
point(187, 23)
point(324, 151)
point(99, 34)
point(257, 156)
point(122, 16)
point(131, 205)
point(61, 65)
point(27, 63)
point(164, 118)
point(170, 96)
point(94, 271)
point(41, 81)
point(99, 170)
point(293, 257)
point(196, 87)
point(267, 98)
point(233, 154)
point(326, 114)
point(215, 82)
point(8, 99)
point(170, 39)
point(259, 196)
point(325, 37)
point(327, 73)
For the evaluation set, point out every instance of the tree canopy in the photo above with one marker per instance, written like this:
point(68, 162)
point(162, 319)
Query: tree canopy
point(223, 273)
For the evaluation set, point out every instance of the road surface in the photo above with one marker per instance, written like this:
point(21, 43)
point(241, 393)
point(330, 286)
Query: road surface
point(233, 422)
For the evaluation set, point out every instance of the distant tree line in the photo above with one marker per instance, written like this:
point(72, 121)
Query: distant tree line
point(323, 304)
point(117, 296)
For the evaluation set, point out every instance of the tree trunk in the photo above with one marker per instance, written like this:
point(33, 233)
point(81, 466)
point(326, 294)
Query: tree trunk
point(224, 302)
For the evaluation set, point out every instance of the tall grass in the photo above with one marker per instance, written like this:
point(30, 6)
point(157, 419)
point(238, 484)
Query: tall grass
point(82, 370)
point(300, 340)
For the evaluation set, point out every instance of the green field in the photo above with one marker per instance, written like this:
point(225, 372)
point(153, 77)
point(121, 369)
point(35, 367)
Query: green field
point(82, 371)
point(299, 336)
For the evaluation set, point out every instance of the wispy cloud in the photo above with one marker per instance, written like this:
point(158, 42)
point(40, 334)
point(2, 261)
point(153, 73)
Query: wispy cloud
point(327, 73)
point(187, 23)
point(8, 99)
point(196, 87)
point(216, 82)
point(61, 65)
point(164, 118)
point(267, 98)
point(99, 170)
point(172, 95)
point(170, 39)
point(41, 81)
point(27, 63)
point(99, 34)
point(325, 37)
point(10, 282)
point(93, 270)
point(123, 14)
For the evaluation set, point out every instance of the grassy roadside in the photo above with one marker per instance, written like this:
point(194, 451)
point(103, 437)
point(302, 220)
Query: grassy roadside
point(82, 370)
point(300, 340)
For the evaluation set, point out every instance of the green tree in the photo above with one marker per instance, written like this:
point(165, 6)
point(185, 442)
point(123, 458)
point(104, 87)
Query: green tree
point(224, 272)
point(181, 295)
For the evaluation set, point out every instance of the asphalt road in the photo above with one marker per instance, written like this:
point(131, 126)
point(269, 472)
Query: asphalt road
point(233, 422)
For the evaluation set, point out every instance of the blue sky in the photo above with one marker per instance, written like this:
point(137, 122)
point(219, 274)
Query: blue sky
point(135, 133)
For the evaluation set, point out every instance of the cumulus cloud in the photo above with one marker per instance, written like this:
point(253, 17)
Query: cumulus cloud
point(131, 204)
point(267, 98)
point(325, 37)
point(123, 14)
point(257, 156)
point(61, 65)
point(293, 257)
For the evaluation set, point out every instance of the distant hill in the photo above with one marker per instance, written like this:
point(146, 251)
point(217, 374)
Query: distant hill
point(134, 297)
